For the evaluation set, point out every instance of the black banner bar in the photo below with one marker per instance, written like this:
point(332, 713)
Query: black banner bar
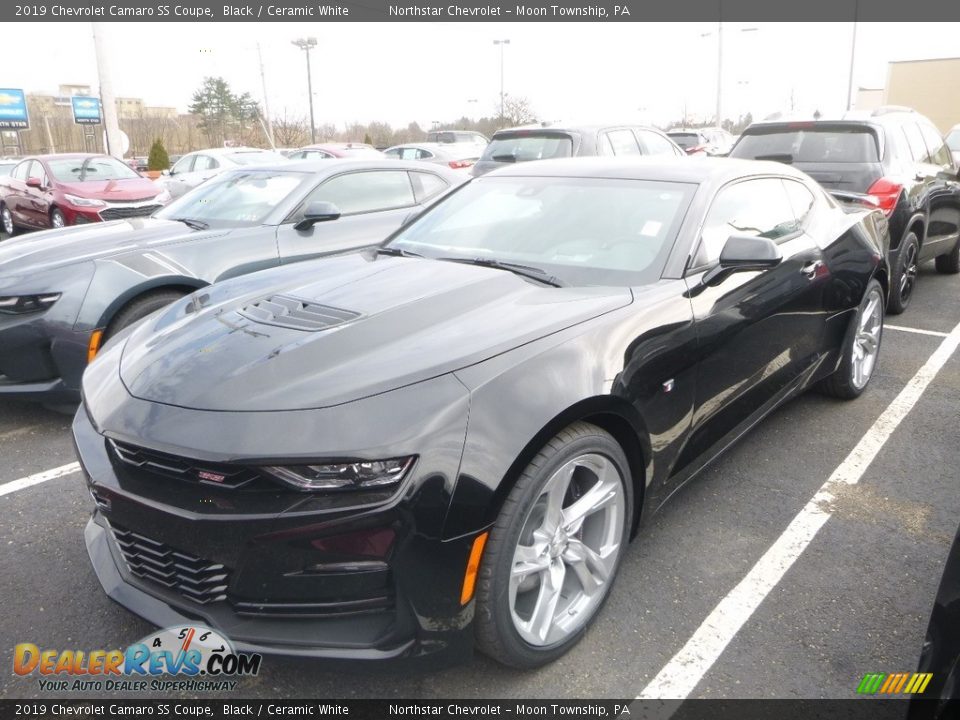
point(478, 11)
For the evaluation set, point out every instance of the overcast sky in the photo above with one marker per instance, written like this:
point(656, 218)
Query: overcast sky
point(401, 72)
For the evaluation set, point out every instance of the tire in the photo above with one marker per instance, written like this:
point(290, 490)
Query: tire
point(865, 332)
point(905, 276)
point(6, 221)
point(949, 264)
point(57, 220)
point(139, 308)
point(584, 463)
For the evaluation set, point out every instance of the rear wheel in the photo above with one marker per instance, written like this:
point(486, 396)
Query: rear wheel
point(949, 264)
point(6, 219)
point(905, 277)
point(555, 549)
point(140, 308)
point(57, 220)
point(861, 348)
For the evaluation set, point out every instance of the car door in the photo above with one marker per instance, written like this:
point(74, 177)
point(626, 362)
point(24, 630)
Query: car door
point(758, 332)
point(204, 168)
point(36, 199)
point(372, 203)
point(178, 180)
point(17, 190)
point(944, 195)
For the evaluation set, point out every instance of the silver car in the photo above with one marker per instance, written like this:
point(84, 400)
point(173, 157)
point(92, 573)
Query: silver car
point(458, 156)
point(197, 167)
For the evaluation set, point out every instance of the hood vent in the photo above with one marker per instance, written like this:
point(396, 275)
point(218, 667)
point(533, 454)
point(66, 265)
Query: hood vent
point(289, 312)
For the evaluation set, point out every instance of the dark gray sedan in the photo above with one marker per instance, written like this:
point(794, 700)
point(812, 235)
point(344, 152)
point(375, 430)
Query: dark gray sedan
point(63, 293)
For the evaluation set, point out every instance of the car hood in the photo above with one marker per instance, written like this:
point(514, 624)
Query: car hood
point(386, 323)
point(112, 190)
point(54, 248)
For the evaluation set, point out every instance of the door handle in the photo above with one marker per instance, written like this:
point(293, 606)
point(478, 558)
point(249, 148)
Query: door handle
point(812, 269)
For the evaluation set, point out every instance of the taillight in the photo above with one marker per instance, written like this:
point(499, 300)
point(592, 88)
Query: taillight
point(885, 193)
point(696, 149)
point(460, 164)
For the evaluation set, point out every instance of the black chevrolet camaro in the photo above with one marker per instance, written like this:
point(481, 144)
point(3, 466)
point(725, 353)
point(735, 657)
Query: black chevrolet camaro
point(448, 441)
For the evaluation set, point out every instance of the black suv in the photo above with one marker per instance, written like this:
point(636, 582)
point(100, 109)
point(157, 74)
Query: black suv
point(893, 159)
point(542, 142)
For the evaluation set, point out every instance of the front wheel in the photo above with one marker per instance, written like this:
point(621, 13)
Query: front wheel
point(555, 548)
point(6, 219)
point(861, 348)
point(57, 220)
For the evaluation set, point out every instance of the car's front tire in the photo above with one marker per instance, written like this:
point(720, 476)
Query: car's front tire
point(905, 277)
point(140, 308)
point(57, 220)
point(555, 548)
point(861, 348)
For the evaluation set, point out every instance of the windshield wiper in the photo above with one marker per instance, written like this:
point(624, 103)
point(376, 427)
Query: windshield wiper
point(526, 271)
point(400, 252)
point(505, 158)
point(193, 223)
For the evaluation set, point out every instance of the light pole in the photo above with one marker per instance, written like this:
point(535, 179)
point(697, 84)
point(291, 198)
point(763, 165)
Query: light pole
point(306, 44)
point(720, 67)
point(501, 43)
point(853, 55)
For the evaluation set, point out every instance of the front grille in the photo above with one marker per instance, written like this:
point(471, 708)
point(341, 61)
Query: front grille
point(173, 466)
point(121, 213)
point(195, 578)
point(296, 314)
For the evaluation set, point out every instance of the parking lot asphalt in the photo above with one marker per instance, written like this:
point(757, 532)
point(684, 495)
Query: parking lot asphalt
point(856, 601)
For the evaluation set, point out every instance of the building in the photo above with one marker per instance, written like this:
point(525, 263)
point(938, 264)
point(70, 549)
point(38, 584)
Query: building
point(929, 87)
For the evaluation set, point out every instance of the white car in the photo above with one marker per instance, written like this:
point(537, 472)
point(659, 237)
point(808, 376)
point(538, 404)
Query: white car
point(953, 142)
point(197, 167)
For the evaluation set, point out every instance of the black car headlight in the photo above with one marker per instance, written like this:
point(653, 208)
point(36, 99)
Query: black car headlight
point(21, 304)
point(361, 475)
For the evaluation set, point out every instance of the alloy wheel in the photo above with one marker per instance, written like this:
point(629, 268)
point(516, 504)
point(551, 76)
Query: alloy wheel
point(866, 344)
point(910, 270)
point(567, 550)
point(7, 221)
point(56, 220)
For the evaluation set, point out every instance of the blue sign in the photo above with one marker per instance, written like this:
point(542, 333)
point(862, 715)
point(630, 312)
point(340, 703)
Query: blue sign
point(86, 110)
point(13, 110)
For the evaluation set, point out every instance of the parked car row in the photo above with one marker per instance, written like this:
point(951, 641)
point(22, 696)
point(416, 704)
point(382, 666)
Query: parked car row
point(375, 407)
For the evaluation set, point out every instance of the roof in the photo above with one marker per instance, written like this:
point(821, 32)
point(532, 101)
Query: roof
point(64, 156)
point(666, 169)
point(583, 129)
point(339, 164)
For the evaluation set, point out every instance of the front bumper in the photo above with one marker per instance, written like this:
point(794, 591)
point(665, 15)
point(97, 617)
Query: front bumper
point(301, 577)
point(40, 359)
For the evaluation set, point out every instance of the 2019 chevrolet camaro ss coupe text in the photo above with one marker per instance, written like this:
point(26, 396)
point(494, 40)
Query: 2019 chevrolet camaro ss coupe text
point(448, 441)
point(65, 292)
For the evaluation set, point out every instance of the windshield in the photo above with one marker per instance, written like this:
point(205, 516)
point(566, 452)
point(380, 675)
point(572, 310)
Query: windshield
point(87, 169)
point(809, 144)
point(584, 231)
point(953, 140)
point(528, 146)
point(258, 157)
point(234, 199)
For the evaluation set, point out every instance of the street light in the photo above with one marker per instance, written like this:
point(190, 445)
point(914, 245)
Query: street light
point(501, 43)
point(720, 67)
point(306, 44)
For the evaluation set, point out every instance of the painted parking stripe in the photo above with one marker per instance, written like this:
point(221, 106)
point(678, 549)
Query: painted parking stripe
point(918, 331)
point(679, 677)
point(31, 480)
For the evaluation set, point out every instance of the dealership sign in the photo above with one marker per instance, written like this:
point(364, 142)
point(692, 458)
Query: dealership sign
point(13, 110)
point(86, 110)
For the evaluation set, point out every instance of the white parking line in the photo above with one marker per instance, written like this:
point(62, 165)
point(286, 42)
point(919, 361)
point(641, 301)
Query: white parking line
point(918, 331)
point(31, 480)
point(679, 677)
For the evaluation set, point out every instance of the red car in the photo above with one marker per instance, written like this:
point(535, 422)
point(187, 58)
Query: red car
point(52, 191)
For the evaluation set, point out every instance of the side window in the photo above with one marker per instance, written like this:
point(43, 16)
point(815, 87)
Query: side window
point(915, 140)
point(427, 185)
point(366, 191)
point(36, 171)
point(623, 142)
point(424, 154)
point(604, 147)
point(20, 171)
point(205, 162)
point(409, 153)
point(937, 151)
point(801, 200)
point(760, 208)
point(183, 165)
point(655, 144)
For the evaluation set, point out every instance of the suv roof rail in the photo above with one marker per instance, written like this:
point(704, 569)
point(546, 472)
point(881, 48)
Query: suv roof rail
point(886, 109)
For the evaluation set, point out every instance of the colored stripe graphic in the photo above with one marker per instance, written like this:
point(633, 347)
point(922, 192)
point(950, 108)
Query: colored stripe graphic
point(895, 683)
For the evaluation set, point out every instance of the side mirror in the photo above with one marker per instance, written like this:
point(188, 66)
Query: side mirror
point(166, 173)
point(741, 253)
point(318, 211)
point(34, 182)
